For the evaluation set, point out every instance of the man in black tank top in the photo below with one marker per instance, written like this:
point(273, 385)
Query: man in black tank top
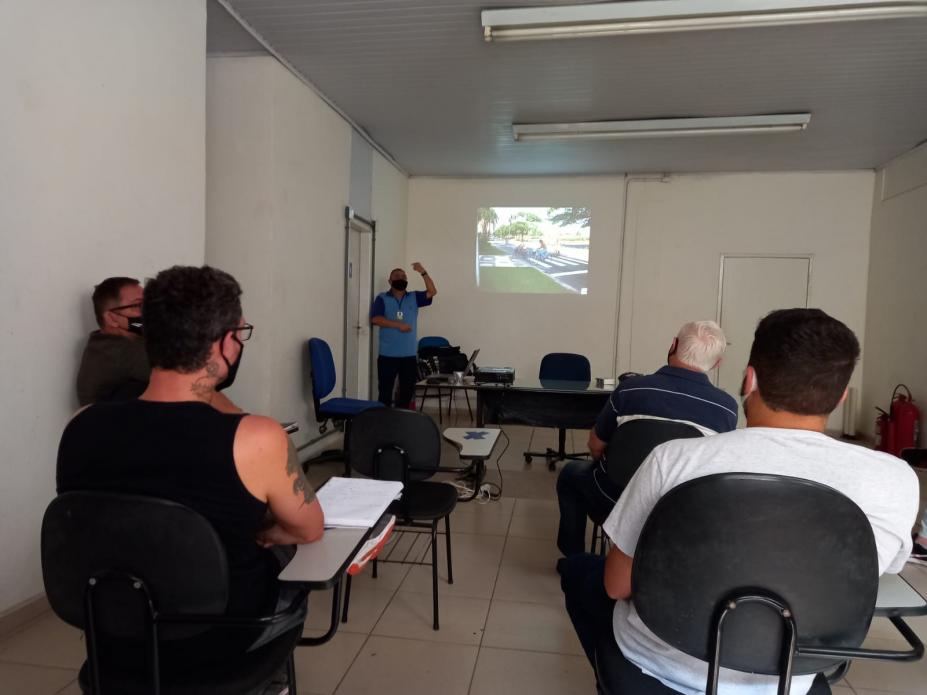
point(178, 442)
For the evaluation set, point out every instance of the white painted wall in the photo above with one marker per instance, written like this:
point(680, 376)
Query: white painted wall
point(676, 233)
point(678, 230)
point(896, 329)
point(390, 211)
point(102, 151)
point(279, 175)
point(512, 329)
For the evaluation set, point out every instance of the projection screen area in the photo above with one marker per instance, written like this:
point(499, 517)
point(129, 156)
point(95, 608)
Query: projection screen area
point(533, 250)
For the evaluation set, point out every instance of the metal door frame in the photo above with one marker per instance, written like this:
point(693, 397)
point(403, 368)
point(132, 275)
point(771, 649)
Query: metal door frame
point(356, 223)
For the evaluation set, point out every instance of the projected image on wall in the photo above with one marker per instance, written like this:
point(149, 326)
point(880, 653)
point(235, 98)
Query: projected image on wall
point(533, 250)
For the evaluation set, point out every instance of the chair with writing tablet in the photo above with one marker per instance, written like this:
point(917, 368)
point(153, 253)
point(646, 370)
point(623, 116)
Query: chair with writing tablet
point(762, 574)
point(403, 445)
point(631, 443)
point(147, 580)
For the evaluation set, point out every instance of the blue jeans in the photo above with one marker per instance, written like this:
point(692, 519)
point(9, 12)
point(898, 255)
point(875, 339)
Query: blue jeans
point(583, 489)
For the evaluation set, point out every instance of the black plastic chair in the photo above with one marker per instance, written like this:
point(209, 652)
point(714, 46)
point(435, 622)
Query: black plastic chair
point(759, 573)
point(394, 444)
point(631, 443)
point(562, 366)
point(142, 577)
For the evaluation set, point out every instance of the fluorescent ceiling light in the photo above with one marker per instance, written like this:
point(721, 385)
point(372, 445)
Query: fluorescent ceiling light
point(662, 127)
point(653, 16)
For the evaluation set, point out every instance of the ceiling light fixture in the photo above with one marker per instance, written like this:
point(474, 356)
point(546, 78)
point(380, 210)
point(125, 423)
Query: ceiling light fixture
point(656, 16)
point(662, 127)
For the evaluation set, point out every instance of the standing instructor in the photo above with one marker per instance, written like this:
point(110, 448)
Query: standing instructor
point(396, 313)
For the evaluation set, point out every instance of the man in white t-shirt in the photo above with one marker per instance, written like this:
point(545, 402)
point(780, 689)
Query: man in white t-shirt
point(799, 368)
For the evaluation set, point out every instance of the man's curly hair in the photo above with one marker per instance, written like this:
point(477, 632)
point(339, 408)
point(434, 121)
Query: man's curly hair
point(186, 309)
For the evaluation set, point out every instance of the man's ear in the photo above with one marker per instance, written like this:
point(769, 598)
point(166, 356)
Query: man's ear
point(749, 383)
point(109, 320)
point(225, 344)
point(843, 397)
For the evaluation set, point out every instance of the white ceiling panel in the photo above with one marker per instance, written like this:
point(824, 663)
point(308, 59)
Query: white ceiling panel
point(418, 77)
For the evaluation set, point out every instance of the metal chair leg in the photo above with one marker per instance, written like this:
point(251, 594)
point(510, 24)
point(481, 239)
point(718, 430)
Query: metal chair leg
point(291, 675)
point(347, 599)
point(434, 571)
point(469, 409)
point(447, 539)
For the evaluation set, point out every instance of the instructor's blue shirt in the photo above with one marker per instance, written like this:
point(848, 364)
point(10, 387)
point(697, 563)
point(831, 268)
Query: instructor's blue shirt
point(393, 342)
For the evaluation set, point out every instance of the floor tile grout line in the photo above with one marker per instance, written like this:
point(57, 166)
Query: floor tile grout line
point(45, 666)
point(68, 685)
point(479, 647)
point(25, 626)
point(370, 634)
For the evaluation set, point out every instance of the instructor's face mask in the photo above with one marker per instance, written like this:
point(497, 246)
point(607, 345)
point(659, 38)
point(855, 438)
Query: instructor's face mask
point(233, 367)
point(399, 285)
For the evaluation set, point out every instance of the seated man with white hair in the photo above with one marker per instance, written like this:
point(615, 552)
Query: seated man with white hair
point(679, 391)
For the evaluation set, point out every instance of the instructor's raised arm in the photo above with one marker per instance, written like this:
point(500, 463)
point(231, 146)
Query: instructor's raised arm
point(430, 288)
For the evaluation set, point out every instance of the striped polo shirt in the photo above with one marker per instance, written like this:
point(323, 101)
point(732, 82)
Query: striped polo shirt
point(673, 393)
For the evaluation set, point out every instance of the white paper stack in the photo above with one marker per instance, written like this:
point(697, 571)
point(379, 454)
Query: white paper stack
point(356, 502)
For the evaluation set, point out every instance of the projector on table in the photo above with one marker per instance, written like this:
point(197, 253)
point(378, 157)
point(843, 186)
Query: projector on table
point(495, 375)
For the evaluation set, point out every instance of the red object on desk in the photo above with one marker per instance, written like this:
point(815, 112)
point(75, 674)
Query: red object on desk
point(372, 546)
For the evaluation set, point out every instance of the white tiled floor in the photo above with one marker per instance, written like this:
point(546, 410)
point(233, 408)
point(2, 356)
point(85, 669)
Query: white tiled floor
point(503, 626)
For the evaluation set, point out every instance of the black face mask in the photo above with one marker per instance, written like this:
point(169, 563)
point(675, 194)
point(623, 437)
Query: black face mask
point(233, 368)
point(135, 324)
point(399, 285)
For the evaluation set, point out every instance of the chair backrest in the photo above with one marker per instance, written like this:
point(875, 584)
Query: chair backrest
point(322, 370)
point(377, 436)
point(565, 366)
point(432, 341)
point(712, 538)
point(171, 549)
point(633, 441)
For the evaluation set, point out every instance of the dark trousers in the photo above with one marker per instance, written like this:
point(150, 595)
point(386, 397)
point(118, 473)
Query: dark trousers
point(388, 369)
point(583, 489)
point(582, 578)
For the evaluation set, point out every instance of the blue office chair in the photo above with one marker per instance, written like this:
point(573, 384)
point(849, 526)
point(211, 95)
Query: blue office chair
point(562, 366)
point(337, 410)
point(431, 341)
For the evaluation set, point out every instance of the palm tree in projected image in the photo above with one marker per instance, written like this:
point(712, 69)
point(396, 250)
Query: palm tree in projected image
point(564, 217)
point(487, 218)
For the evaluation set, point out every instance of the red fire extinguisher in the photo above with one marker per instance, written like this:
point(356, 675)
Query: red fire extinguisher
point(898, 428)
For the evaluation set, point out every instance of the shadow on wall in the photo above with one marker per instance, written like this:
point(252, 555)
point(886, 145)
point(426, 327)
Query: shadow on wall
point(84, 308)
point(307, 391)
